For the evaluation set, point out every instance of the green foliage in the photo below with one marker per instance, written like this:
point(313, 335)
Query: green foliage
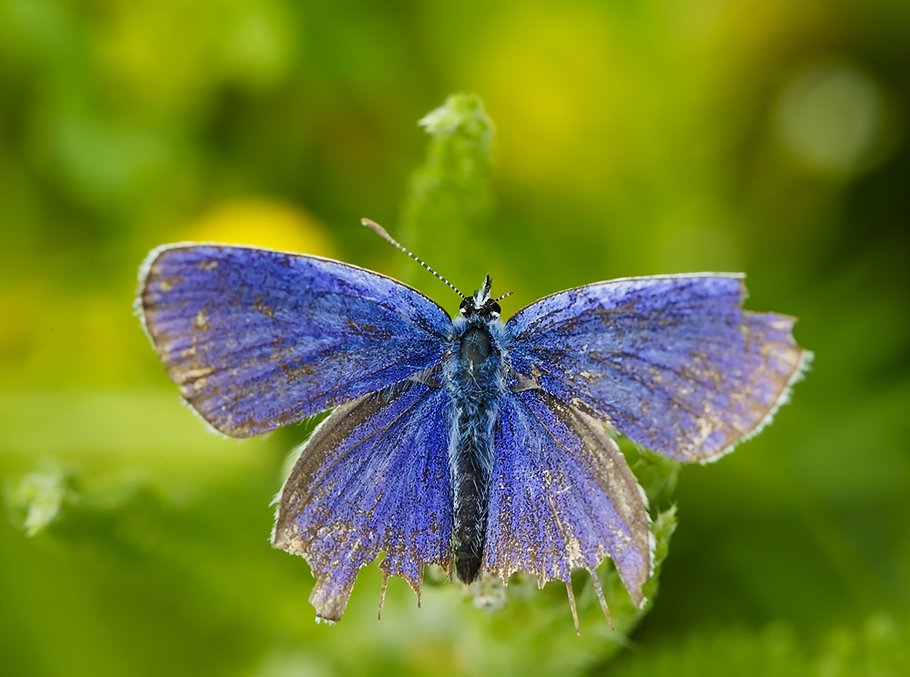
point(632, 138)
point(876, 646)
point(448, 199)
point(36, 500)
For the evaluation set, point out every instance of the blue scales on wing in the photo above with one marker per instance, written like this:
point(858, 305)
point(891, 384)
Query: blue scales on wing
point(256, 339)
point(562, 497)
point(373, 478)
point(673, 362)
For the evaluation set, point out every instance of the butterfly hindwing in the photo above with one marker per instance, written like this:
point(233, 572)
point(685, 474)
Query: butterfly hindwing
point(373, 477)
point(673, 362)
point(256, 339)
point(562, 496)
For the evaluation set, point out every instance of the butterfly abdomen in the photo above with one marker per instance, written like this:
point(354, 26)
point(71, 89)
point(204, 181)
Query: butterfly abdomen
point(474, 378)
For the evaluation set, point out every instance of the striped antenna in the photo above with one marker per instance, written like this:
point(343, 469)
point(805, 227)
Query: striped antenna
point(504, 296)
point(383, 233)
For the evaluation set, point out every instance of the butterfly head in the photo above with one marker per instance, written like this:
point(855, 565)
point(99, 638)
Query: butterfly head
point(481, 305)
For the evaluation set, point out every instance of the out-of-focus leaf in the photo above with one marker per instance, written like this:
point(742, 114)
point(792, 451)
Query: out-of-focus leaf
point(449, 196)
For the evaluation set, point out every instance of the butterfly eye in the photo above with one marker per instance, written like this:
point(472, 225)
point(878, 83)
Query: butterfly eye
point(493, 307)
point(466, 306)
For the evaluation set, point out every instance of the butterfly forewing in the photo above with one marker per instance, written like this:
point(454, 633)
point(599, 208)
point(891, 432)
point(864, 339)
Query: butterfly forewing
point(673, 362)
point(373, 477)
point(257, 339)
point(562, 496)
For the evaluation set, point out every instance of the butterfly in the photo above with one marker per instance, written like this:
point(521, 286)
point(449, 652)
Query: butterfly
point(473, 444)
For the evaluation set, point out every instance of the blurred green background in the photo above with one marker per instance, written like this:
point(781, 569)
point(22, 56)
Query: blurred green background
point(631, 138)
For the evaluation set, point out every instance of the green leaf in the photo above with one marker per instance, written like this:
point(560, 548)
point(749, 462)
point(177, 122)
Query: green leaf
point(449, 195)
point(37, 500)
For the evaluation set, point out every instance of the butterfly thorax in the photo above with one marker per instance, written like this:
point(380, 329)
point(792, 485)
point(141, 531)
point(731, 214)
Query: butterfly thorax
point(475, 377)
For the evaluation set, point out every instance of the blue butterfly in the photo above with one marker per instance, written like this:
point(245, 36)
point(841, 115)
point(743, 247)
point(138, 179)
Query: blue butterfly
point(472, 444)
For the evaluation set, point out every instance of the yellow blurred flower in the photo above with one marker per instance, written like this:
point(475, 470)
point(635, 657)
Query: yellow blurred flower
point(262, 223)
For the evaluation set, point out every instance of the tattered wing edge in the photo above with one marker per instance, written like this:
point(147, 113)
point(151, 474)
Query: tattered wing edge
point(802, 368)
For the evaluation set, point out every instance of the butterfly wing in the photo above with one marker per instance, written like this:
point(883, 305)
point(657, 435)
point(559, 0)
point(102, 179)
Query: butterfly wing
point(373, 477)
point(562, 496)
point(673, 362)
point(256, 339)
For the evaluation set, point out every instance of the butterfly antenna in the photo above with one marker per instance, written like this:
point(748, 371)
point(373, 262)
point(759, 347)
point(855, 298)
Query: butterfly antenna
point(504, 296)
point(384, 234)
